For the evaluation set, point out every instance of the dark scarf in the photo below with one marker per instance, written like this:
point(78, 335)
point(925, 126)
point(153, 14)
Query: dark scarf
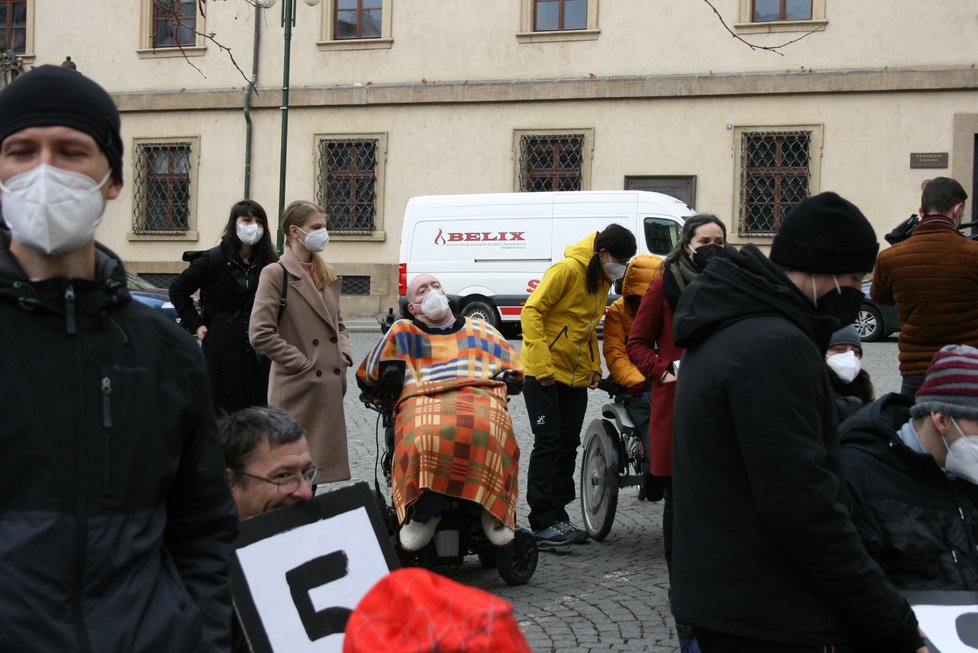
point(677, 276)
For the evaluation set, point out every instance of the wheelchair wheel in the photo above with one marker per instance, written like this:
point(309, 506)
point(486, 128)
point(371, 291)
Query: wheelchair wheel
point(517, 561)
point(599, 481)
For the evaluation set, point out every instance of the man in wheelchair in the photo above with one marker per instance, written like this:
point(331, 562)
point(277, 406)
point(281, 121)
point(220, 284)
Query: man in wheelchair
point(453, 435)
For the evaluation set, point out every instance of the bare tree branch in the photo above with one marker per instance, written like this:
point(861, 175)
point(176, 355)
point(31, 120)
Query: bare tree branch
point(168, 13)
point(753, 46)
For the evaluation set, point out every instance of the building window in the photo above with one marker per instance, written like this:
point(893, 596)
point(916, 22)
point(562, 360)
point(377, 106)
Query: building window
point(163, 188)
point(349, 182)
point(355, 284)
point(769, 16)
point(558, 20)
point(358, 19)
point(171, 28)
point(769, 10)
point(356, 24)
point(775, 171)
point(13, 18)
point(556, 15)
point(551, 162)
point(174, 23)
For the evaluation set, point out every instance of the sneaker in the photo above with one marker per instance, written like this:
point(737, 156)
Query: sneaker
point(552, 536)
point(579, 536)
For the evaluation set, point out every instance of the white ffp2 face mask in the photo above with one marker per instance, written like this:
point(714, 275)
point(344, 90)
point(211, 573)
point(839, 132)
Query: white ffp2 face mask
point(615, 271)
point(52, 210)
point(435, 306)
point(249, 234)
point(316, 239)
point(962, 456)
point(846, 366)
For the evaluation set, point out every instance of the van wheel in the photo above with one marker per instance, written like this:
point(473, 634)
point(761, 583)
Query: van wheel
point(483, 310)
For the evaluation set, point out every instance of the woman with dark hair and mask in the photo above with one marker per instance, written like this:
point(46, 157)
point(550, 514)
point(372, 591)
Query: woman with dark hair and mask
point(562, 360)
point(227, 277)
point(850, 383)
point(652, 350)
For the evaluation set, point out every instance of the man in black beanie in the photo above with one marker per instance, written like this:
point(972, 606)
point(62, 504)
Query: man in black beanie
point(765, 557)
point(116, 521)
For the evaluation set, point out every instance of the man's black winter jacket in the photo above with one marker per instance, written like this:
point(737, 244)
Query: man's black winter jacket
point(115, 518)
point(764, 548)
point(918, 523)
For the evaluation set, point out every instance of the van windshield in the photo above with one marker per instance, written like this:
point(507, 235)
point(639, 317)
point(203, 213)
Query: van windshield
point(661, 234)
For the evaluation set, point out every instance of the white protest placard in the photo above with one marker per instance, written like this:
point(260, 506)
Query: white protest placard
point(948, 619)
point(298, 572)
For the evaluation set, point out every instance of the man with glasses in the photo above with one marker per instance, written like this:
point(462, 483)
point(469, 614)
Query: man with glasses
point(268, 461)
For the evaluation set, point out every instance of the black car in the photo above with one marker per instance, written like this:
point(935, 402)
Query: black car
point(157, 298)
point(875, 321)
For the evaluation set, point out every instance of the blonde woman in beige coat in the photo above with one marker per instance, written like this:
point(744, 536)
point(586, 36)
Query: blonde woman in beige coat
point(308, 344)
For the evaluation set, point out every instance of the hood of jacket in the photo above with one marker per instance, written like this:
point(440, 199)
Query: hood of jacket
point(641, 271)
point(106, 290)
point(741, 285)
point(874, 427)
point(582, 250)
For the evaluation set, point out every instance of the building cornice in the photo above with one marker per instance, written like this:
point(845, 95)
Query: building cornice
point(787, 82)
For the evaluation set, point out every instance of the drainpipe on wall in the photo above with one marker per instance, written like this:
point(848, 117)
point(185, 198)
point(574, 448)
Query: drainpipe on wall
point(247, 102)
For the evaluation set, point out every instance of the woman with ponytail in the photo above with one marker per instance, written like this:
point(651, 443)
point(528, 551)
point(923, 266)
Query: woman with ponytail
point(652, 350)
point(306, 340)
point(562, 360)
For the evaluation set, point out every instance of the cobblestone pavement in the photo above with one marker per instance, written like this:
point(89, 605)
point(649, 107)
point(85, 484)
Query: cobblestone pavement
point(600, 596)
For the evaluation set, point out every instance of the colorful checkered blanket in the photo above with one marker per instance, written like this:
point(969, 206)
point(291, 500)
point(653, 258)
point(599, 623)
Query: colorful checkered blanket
point(453, 433)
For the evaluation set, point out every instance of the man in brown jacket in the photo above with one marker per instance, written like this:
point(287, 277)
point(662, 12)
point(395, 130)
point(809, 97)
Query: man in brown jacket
point(932, 277)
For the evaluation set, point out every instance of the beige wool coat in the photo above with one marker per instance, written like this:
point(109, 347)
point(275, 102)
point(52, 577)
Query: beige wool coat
point(310, 352)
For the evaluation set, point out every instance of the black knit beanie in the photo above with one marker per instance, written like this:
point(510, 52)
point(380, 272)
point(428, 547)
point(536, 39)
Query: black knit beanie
point(52, 95)
point(825, 233)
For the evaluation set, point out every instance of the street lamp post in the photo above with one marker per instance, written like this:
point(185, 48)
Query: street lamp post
point(288, 22)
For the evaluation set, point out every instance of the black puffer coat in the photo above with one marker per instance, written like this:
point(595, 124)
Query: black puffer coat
point(920, 525)
point(116, 522)
point(763, 544)
point(228, 285)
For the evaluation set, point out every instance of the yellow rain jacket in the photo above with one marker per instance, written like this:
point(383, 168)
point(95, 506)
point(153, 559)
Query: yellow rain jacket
point(560, 317)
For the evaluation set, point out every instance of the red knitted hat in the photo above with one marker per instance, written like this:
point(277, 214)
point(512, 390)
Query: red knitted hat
point(414, 610)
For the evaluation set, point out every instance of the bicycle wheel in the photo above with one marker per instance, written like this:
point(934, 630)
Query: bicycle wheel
point(599, 480)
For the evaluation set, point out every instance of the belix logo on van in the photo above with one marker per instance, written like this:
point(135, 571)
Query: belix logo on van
point(444, 237)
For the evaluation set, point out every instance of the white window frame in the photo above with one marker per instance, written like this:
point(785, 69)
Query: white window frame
point(526, 34)
point(746, 24)
point(328, 40)
point(29, 55)
point(146, 50)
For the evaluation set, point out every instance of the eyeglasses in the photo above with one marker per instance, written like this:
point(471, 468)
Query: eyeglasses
point(288, 484)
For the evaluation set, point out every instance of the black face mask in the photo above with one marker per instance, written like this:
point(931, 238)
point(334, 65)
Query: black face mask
point(841, 303)
point(704, 253)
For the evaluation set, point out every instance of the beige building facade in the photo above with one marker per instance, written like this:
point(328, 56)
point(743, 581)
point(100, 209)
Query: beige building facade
point(395, 98)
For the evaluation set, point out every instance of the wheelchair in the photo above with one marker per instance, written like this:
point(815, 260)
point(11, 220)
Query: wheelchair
point(459, 532)
point(614, 457)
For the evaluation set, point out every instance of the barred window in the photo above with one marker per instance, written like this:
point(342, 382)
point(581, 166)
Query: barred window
point(174, 23)
point(13, 25)
point(775, 170)
point(347, 184)
point(355, 284)
point(358, 19)
point(162, 188)
point(551, 162)
point(774, 10)
point(557, 15)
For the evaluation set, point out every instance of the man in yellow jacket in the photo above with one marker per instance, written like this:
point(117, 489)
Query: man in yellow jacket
point(561, 360)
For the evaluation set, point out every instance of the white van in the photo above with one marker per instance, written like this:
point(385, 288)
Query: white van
point(491, 250)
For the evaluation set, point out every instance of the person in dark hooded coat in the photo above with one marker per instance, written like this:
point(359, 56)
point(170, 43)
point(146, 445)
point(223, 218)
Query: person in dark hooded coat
point(766, 557)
